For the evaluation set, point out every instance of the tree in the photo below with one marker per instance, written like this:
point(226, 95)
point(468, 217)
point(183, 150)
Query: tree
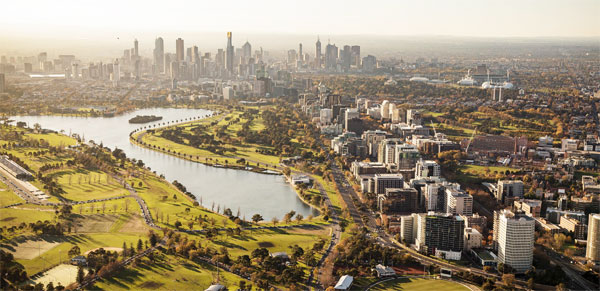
point(531, 284)
point(140, 245)
point(275, 220)
point(256, 218)
point(177, 224)
point(80, 275)
point(489, 285)
point(74, 251)
point(509, 280)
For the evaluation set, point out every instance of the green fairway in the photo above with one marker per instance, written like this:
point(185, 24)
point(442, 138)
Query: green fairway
point(417, 284)
point(82, 185)
point(278, 240)
point(15, 216)
point(53, 139)
point(167, 209)
point(168, 273)
point(8, 197)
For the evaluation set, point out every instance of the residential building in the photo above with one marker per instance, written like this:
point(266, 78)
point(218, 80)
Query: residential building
point(427, 168)
point(385, 181)
point(398, 200)
point(529, 206)
point(515, 240)
point(509, 188)
point(445, 233)
point(592, 251)
point(459, 202)
point(574, 226)
point(472, 238)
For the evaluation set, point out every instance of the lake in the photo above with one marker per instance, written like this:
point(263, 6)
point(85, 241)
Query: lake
point(268, 195)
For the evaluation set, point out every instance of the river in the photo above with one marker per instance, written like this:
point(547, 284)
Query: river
point(268, 195)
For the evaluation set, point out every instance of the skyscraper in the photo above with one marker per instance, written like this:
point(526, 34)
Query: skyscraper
point(2, 84)
point(136, 51)
point(179, 50)
point(300, 54)
point(247, 51)
point(444, 235)
point(356, 55)
point(318, 53)
point(116, 77)
point(229, 54)
point(331, 56)
point(159, 55)
point(592, 252)
point(515, 240)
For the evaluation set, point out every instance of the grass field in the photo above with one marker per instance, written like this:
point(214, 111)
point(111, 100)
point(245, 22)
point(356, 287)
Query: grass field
point(482, 170)
point(414, 284)
point(168, 273)
point(54, 139)
point(278, 240)
point(8, 197)
point(159, 197)
point(15, 216)
point(82, 185)
point(86, 242)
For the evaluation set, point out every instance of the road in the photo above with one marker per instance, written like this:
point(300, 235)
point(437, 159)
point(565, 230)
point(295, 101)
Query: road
point(567, 267)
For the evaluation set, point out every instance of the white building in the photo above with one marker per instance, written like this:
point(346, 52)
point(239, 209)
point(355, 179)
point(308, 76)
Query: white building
point(385, 109)
point(228, 93)
point(458, 202)
point(344, 283)
point(515, 240)
point(472, 238)
point(569, 144)
point(427, 168)
point(592, 251)
point(325, 116)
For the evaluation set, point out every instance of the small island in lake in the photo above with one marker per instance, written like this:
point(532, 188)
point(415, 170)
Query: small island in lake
point(144, 118)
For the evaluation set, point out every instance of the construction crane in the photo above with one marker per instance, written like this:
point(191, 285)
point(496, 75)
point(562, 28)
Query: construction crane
point(470, 141)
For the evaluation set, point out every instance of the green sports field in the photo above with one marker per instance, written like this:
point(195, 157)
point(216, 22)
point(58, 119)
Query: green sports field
point(417, 284)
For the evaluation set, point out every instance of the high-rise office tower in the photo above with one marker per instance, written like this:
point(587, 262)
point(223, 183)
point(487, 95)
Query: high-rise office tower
point(300, 54)
point(356, 55)
point(229, 56)
point(592, 251)
point(41, 59)
point(116, 77)
point(346, 57)
point(331, 56)
point(195, 58)
point(136, 51)
point(2, 83)
point(159, 55)
point(247, 50)
point(318, 53)
point(179, 50)
point(515, 240)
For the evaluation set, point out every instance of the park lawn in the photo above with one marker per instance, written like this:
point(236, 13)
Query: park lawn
point(481, 170)
point(35, 163)
point(419, 284)
point(15, 216)
point(85, 242)
point(83, 185)
point(8, 197)
point(275, 240)
point(168, 272)
point(122, 206)
point(54, 139)
point(159, 198)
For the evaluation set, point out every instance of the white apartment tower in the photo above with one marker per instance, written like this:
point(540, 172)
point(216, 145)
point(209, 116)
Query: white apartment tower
point(515, 240)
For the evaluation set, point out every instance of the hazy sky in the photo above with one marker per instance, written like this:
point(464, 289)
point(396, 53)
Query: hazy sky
point(521, 18)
